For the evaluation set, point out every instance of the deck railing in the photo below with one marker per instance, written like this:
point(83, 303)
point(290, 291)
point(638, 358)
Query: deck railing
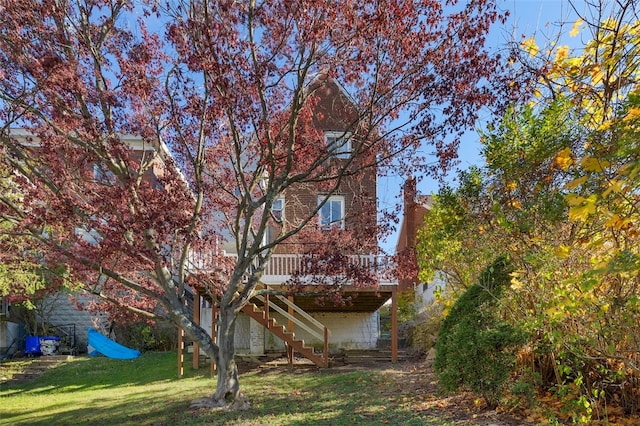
point(282, 267)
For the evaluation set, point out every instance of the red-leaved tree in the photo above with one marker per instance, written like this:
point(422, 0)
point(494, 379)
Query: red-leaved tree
point(152, 131)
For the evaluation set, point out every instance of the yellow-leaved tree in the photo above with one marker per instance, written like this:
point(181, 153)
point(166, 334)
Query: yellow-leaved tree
point(589, 324)
point(560, 196)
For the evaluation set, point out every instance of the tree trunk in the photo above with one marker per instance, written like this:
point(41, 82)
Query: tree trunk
point(228, 386)
point(227, 394)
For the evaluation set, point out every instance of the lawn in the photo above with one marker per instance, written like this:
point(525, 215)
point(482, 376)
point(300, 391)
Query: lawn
point(147, 391)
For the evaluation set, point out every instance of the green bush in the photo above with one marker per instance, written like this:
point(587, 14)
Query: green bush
point(147, 337)
point(475, 349)
point(422, 330)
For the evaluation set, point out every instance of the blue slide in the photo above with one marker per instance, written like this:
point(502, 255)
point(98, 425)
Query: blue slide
point(107, 347)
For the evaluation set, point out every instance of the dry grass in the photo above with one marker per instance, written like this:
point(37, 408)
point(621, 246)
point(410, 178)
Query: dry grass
point(146, 391)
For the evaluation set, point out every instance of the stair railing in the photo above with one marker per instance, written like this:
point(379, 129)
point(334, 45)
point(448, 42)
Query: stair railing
point(301, 319)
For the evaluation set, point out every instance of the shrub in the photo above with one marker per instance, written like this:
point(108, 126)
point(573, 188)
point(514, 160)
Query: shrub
point(475, 349)
point(147, 337)
point(422, 330)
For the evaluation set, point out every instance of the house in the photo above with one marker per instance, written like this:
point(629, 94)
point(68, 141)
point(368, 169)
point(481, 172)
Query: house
point(327, 327)
point(62, 312)
point(415, 208)
point(10, 331)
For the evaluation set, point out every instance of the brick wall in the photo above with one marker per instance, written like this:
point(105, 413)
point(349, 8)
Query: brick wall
point(336, 111)
point(412, 220)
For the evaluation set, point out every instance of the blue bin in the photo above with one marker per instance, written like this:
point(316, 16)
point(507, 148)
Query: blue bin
point(32, 345)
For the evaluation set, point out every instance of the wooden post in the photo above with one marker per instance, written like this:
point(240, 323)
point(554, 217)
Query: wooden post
point(290, 330)
point(289, 354)
point(214, 333)
point(394, 326)
point(292, 313)
point(180, 352)
point(196, 320)
point(326, 347)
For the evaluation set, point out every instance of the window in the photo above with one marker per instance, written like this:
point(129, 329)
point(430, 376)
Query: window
point(332, 212)
point(277, 209)
point(338, 143)
point(4, 307)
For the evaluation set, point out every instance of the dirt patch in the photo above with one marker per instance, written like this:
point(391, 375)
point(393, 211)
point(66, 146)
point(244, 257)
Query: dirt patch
point(411, 383)
point(416, 384)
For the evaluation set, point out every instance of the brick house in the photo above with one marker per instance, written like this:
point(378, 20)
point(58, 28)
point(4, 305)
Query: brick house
point(415, 208)
point(352, 208)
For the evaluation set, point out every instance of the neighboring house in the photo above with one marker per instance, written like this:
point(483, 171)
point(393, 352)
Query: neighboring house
point(416, 207)
point(9, 331)
point(62, 311)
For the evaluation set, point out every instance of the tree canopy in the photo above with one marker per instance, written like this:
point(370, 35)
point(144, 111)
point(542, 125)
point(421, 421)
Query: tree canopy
point(221, 101)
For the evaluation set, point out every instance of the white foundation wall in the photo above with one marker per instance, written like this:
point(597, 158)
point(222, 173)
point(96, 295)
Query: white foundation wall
point(352, 330)
point(205, 317)
point(249, 335)
point(347, 330)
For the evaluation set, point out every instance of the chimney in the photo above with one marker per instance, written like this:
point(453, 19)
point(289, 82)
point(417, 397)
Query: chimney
point(409, 190)
point(409, 235)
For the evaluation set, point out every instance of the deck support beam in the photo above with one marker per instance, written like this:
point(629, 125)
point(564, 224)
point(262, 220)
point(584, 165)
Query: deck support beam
point(394, 326)
point(290, 330)
point(180, 352)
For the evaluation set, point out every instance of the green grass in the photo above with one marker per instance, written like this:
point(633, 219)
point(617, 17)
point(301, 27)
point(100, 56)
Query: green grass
point(146, 391)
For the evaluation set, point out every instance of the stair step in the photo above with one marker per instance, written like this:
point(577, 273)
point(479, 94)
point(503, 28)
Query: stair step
point(39, 366)
point(287, 336)
point(25, 376)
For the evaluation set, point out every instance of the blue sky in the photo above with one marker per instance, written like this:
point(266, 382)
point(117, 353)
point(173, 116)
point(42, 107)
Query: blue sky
point(527, 18)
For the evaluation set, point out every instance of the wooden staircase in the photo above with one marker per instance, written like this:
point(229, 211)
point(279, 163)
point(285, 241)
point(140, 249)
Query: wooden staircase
point(261, 315)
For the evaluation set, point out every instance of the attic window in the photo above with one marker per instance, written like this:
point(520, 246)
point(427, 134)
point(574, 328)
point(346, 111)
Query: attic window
point(338, 143)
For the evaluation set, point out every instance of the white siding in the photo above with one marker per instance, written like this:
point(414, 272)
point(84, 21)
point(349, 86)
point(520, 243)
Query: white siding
point(9, 331)
point(424, 292)
point(63, 311)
